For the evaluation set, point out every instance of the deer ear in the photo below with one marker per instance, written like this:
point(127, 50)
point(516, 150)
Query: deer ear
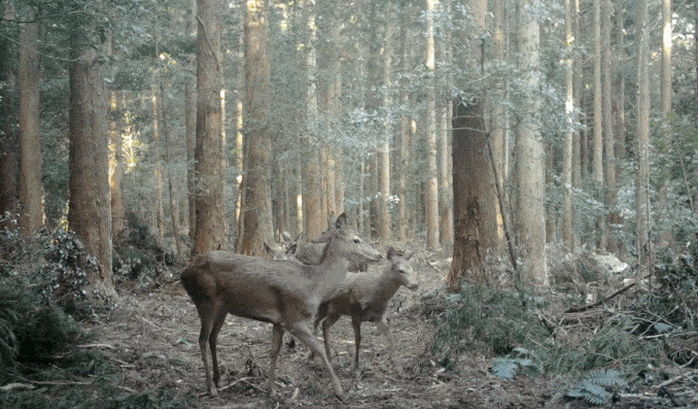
point(391, 253)
point(341, 221)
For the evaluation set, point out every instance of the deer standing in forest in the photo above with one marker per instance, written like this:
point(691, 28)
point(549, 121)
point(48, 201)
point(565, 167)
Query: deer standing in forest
point(284, 293)
point(364, 297)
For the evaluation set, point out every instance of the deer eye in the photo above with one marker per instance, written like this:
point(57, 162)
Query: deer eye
point(356, 241)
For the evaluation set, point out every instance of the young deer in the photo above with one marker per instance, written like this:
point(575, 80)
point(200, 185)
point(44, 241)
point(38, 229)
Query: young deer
point(365, 297)
point(284, 293)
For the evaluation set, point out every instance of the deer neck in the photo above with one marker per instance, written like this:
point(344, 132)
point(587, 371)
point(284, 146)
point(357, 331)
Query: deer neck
point(387, 285)
point(333, 266)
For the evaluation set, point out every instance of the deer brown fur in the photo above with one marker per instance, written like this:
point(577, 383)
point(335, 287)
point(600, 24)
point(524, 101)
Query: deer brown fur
point(284, 293)
point(364, 297)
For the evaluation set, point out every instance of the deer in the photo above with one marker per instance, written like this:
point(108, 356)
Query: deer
point(364, 297)
point(310, 252)
point(284, 293)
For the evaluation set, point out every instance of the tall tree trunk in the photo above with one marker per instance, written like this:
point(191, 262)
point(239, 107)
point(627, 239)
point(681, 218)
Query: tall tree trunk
point(597, 150)
point(620, 83)
point(568, 147)
point(665, 234)
point(209, 233)
point(257, 197)
point(431, 194)
point(384, 218)
point(190, 128)
point(169, 160)
point(609, 139)
point(89, 205)
point(643, 141)
point(30, 188)
point(530, 158)
point(156, 158)
point(474, 197)
point(8, 136)
point(499, 115)
point(313, 217)
point(116, 175)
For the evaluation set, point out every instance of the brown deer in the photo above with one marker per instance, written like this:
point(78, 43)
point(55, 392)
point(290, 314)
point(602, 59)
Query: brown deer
point(284, 293)
point(310, 252)
point(364, 297)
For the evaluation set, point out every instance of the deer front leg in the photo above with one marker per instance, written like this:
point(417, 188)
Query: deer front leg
point(302, 331)
point(356, 325)
point(383, 329)
point(276, 341)
point(327, 323)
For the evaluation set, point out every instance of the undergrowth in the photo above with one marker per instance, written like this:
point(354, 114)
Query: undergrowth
point(653, 330)
point(42, 281)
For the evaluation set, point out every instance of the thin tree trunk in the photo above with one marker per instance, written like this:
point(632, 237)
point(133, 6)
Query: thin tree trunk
point(431, 194)
point(620, 84)
point(666, 235)
point(89, 205)
point(403, 217)
point(30, 188)
point(530, 159)
point(8, 136)
point(643, 133)
point(499, 117)
point(156, 157)
point(597, 150)
point(384, 218)
point(568, 147)
point(609, 139)
point(174, 212)
point(190, 129)
point(209, 233)
point(257, 197)
point(118, 213)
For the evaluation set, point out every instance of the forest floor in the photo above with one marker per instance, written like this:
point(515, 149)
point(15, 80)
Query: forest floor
point(152, 336)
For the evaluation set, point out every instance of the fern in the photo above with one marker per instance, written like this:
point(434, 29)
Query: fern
point(507, 368)
point(594, 388)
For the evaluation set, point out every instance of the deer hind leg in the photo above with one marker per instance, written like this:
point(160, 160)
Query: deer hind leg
point(277, 337)
point(206, 313)
point(327, 323)
point(302, 331)
point(213, 341)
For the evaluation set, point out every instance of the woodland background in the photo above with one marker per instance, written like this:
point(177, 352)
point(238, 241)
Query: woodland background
point(509, 143)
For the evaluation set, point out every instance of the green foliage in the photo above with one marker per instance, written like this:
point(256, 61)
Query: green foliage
point(594, 387)
point(480, 318)
point(508, 367)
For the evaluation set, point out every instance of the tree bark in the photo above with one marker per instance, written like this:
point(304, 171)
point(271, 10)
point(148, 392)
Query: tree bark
point(8, 136)
point(611, 244)
point(643, 141)
point(384, 217)
point(620, 84)
point(597, 146)
point(89, 205)
point(431, 194)
point(474, 196)
point(190, 128)
point(568, 146)
point(257, 196)
point(117, 168)
point(530, 158)
point(30, 187)
point(499, 123)
point(209, 233)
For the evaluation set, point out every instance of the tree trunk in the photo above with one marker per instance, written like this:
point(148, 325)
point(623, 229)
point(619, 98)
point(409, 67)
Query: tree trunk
point(169, 160)
point(431, 194)
point(156, 158)
point(620, 84)
point(89, 206)
point(474, 196)
point(257, 197)
point(568, 147)
point(8, 136)
point(445, 170)
point(597, 147)
point(499, 117)
point(190, 129)
point(530, 159)
point(30, 188)
point(665, 234)
point(116, 175)
point(643, 141)
point(609, 139)
point(384, 218)
point(209, 233)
